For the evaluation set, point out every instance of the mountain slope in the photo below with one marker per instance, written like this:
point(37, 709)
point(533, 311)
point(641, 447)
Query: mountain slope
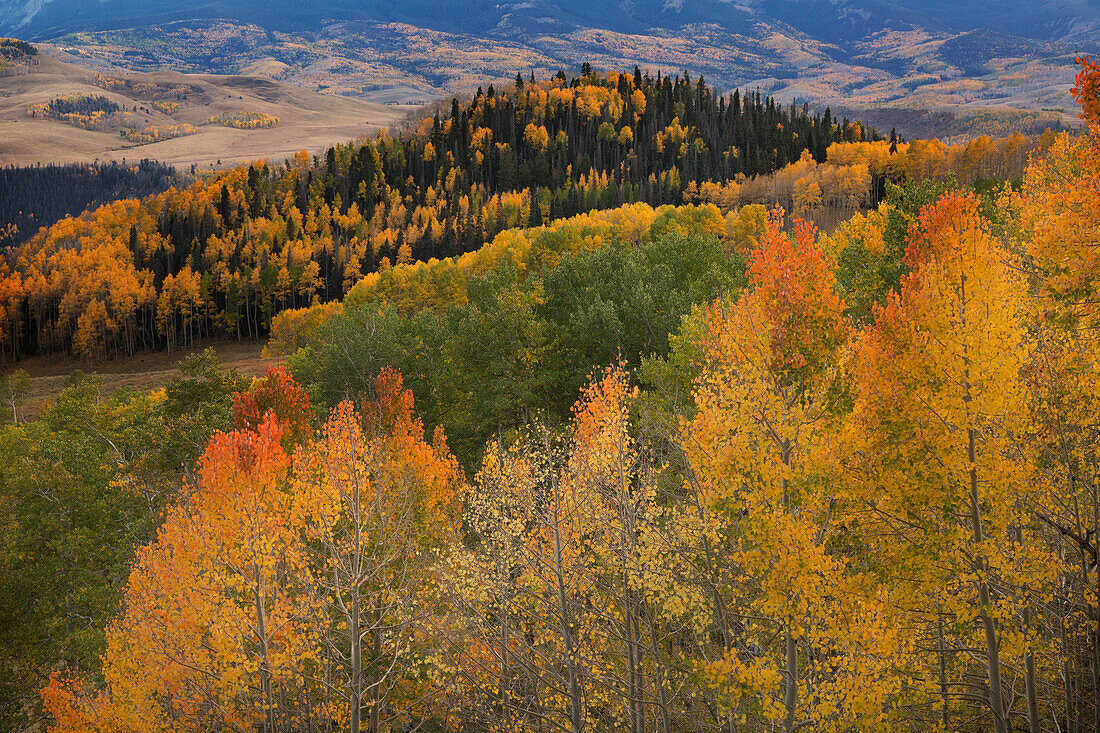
point(838, 21)
point(307, 120)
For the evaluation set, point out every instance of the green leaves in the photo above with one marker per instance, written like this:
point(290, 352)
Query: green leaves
point(524, 344)
point(79, 488)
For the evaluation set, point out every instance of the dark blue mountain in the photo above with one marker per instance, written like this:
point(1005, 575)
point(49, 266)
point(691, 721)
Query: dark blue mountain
point(834, 21)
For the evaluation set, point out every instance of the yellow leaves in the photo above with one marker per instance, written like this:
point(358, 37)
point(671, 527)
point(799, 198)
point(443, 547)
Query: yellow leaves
point(1059, 222)
point(674, 136)
point(536, 136)
point(731, 680)
point(956, 323)
point(763, 419)
point(245, 120)
point(864, 230)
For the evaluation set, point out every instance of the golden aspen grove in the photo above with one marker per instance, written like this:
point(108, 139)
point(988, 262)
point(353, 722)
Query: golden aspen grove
point(751, 422)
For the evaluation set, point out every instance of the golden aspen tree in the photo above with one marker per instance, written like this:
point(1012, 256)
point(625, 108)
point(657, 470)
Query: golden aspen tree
point(567, 615)
point(380, 506)
point(496, 647)
point(798, 625)
point(1055, 220)
point(942, 495)
point(617, 487)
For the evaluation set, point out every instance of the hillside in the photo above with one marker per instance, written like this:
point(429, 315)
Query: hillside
point(859, 53)
point(839, 21)
point(223, 255)
point(165, 103)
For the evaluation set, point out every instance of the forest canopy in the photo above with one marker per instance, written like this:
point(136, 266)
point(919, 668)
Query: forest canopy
point(652, 467)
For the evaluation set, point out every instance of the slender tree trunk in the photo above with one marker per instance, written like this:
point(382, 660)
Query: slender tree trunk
point(504, 672)
point(1096, 630)
point(265, 669)
point(375, 724)
point(355, 691)
point(576, 713)
point(720, 611)
point(993, 657)
point(633, 694)
point(1030, 691)
point(1067, 668)
point(662, 693)
point(790, 696)
point(1033, 720)
point(946, 715)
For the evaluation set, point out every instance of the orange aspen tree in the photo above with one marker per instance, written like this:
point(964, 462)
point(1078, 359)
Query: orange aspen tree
point(279, 394)
point(213, 633)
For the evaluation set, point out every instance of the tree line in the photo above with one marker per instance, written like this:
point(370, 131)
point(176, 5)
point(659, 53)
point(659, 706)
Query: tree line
point(33, 197)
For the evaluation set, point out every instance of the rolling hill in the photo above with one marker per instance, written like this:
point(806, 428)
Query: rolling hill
point(154, 107)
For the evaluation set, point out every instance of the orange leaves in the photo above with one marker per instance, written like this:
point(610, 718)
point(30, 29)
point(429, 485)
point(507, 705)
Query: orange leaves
point(277, 393)
point(932, 458)
point(245, 456)
point(769, 361)
point(1086, 89)
point(210, 605)
point(391, 410)
point(227, 607)
point(765, 416)
point(379, 459)
point(599, 423)
point(943, 232)
point(793, 285)
point(955, 321)
point(74, 710)
point(1058, 211)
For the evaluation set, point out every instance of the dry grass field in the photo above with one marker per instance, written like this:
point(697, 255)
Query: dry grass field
point(143, 372)
point(308, 120)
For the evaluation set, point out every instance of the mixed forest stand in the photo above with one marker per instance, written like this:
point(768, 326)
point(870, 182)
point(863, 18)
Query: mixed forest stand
point(812, 482)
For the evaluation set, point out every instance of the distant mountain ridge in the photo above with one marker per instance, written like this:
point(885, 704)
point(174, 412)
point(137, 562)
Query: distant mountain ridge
point(927, 53)
point(835, 21)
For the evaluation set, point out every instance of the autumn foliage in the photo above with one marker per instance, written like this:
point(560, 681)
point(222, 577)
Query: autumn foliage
point(228, 611)
point(1086, 89)
point(276, 393)
point(801, 515)
point(225, 254)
